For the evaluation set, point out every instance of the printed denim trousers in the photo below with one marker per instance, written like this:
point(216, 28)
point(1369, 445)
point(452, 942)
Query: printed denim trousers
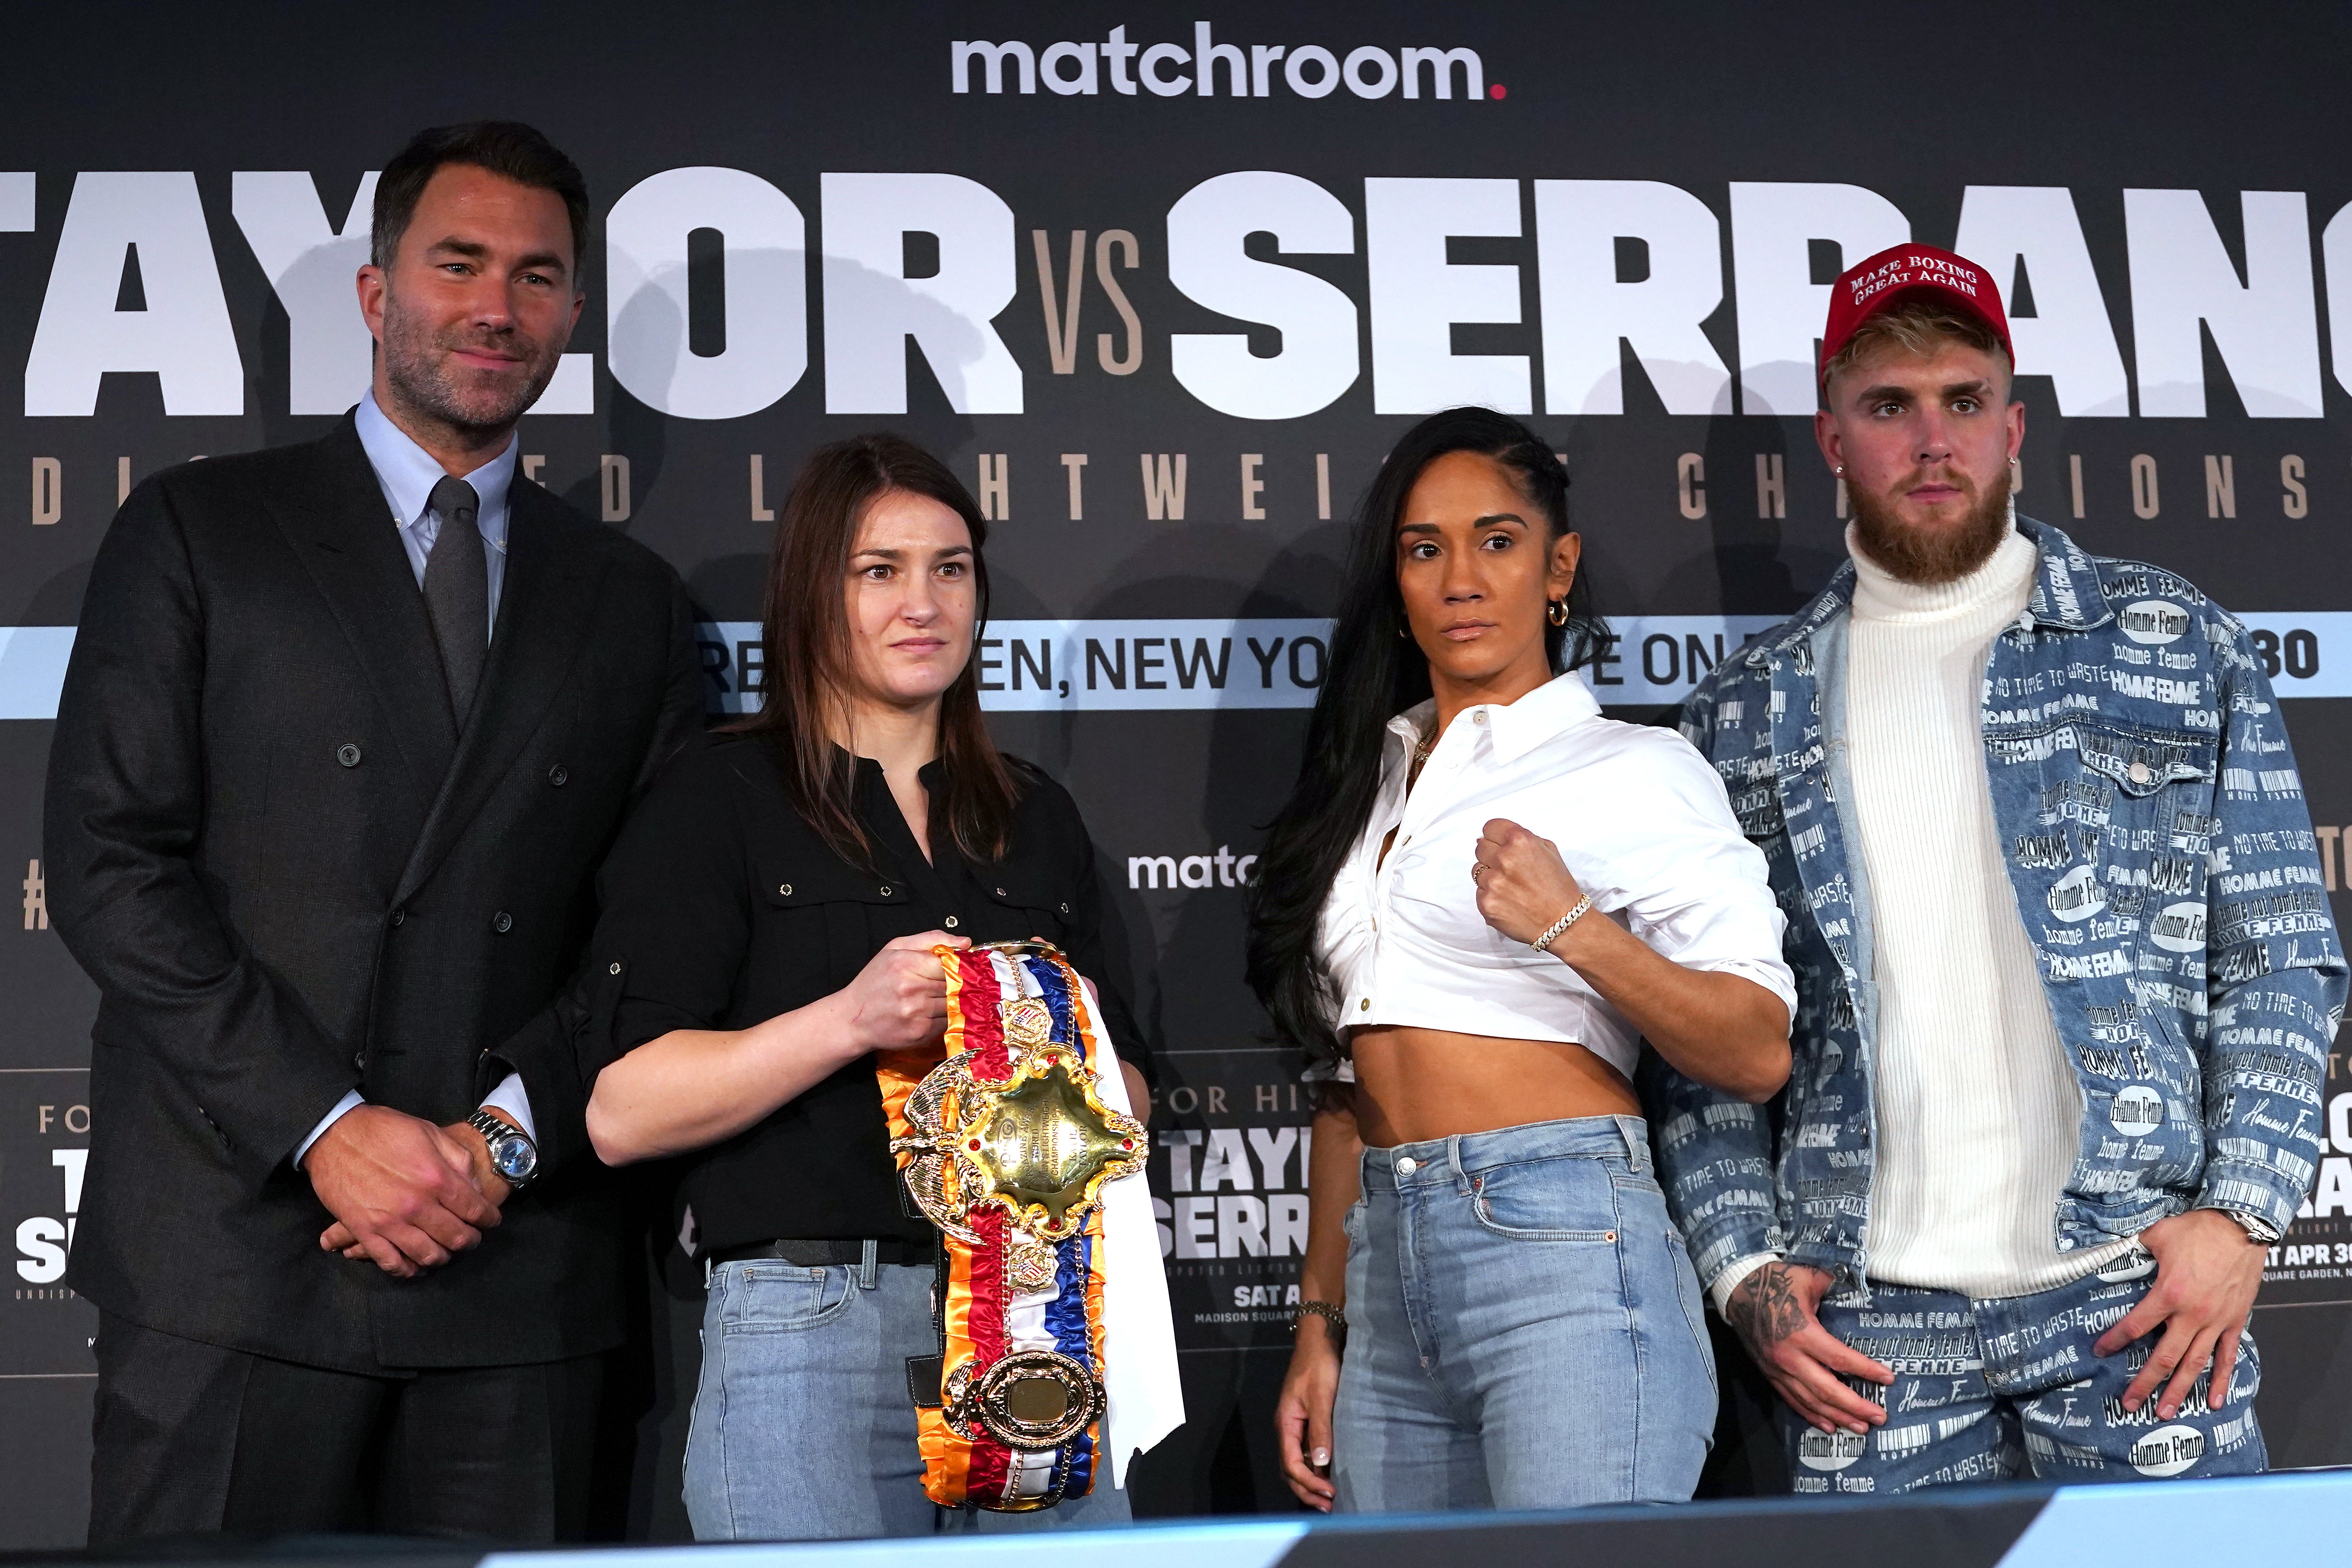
point(803, 1427)
point(1988, 1390)
point(1524, 1329)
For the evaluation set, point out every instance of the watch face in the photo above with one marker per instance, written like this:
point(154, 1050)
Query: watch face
point(514, 1158)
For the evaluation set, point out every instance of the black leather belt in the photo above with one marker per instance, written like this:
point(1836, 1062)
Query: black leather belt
point(822, 1253)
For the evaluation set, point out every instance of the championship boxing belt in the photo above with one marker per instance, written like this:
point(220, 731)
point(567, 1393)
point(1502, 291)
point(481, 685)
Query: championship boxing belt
point(1005, 1146)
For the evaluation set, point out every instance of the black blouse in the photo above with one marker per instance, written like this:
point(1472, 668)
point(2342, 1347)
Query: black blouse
point(721, 908)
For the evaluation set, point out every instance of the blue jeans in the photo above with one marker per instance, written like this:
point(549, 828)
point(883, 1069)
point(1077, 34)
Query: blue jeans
point(803, 1425)
point(1985, 1390)
point(1524, 1329)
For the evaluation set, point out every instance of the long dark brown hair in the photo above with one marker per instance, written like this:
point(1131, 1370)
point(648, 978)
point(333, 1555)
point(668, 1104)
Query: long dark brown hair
point(806, 624)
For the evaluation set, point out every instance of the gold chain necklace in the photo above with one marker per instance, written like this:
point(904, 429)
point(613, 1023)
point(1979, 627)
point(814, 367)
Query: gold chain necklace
point(1420, 753)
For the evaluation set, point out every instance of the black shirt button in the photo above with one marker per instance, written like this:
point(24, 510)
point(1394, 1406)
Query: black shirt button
point(1065, 909)
point(559, 775)
point(886, 889)
point(348, 754)
point(785, 889)
point(399, 915)
point(502, 921)
point(358, 1062)
point(951, 922)
point(615, 969)
point(1000, 892)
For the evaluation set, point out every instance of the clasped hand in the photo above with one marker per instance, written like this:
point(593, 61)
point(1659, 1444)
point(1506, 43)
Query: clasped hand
point(404, 1192)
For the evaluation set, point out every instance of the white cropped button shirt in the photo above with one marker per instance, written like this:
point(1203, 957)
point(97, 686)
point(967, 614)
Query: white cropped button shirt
point(1640, 820)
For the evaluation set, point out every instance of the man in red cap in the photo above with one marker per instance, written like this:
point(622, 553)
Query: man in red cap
point(2066, 977)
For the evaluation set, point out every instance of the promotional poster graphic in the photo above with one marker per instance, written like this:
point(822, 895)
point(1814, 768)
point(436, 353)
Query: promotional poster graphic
point(1162, 285)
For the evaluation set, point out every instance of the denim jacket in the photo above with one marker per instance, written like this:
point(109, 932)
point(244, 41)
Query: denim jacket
point(2164, 865)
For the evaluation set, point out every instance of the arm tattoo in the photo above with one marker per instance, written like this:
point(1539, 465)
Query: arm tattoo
point(1765, 1310)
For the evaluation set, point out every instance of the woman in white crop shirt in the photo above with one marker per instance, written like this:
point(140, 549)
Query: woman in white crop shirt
point(1479, 902)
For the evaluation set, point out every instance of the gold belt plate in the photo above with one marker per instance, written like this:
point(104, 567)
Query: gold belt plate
point(1037, 1145)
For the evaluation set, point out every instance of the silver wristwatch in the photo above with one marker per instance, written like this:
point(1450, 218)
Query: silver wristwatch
point(2258, 1231)
point(512, 1153)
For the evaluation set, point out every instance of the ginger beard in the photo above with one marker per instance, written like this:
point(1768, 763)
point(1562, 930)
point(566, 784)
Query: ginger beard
point(417, 368)
point(1941, 552)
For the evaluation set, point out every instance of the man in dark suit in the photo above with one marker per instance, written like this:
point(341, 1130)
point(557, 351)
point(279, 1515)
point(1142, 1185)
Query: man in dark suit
point(348, 727)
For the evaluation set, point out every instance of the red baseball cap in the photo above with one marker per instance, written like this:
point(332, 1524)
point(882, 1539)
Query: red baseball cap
point(1904, 272)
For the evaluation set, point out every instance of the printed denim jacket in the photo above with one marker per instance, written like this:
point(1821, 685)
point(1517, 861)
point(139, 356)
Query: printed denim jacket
point(2162, 859)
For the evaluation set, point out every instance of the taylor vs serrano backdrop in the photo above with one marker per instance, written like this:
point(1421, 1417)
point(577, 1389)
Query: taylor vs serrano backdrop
point(1163, 284)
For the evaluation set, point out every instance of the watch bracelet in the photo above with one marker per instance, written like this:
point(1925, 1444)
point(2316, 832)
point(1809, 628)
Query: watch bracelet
point(493, 1127)
point(2258, 1230)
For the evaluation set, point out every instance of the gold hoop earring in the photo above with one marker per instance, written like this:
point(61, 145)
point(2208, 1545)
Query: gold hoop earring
point(1557, 612)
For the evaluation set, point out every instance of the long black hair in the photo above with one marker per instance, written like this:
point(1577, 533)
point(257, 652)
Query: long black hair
point(1377, 671)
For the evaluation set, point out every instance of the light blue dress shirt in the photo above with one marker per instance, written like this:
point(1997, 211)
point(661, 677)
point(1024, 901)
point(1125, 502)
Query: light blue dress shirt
point(408, 473)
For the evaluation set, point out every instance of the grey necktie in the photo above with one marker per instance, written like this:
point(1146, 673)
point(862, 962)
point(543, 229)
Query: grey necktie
point(458, 593)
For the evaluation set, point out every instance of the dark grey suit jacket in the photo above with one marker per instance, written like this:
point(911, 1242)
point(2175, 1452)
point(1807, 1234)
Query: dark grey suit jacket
point(290, 877)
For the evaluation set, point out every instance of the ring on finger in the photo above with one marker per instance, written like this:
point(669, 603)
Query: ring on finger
point(1476, 867)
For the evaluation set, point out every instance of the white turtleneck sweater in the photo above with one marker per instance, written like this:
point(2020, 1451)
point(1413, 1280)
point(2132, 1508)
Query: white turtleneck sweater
point(1979, 1112)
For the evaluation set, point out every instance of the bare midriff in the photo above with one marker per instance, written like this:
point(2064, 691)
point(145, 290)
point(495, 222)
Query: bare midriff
point(1413, 1085)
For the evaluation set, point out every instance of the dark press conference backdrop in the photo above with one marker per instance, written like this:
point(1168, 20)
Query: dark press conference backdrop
point(1164, 284)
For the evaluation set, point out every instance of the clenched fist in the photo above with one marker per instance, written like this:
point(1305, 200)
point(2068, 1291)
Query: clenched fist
point(1523, 884)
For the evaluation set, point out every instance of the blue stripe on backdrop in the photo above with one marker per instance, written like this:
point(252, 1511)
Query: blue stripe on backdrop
point(1653, 660)
point(32, 670)
point(1031, 666)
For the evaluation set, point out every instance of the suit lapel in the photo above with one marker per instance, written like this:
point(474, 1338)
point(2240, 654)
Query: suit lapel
point(544, 619)
point(344, 535)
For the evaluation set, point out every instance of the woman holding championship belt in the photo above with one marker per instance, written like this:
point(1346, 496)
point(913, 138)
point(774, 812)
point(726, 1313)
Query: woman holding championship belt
point(1480, 900)
point(782, 917)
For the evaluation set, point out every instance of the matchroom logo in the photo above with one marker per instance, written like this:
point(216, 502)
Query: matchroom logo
point(1172, 70)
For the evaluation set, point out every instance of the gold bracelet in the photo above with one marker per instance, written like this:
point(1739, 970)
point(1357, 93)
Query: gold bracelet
point(1543, 943)
point(1323, 1309)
